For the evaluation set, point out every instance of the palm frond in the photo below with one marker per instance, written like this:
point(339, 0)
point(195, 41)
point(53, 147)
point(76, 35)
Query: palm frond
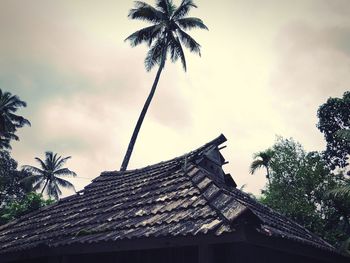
point(146, 12)
point(5, 144)
point(10, 136)
point(64, 183)
point(154, 55)
point(19, 120)
point(49, 160)
point(42, 163)
point(165, 6)
point(32, 179)
point(189, 42)
point(191, 22)
point(184, 8)
point(58, 190)
point(38, 185)
point(61, 161)
point(8, 124)
point(177, 52)
point(53, 190)
point(265, 156)
point(256, 164)
point(147, 34)
point(65, 172)
point(55, 160)
point(10, 102)
point(33, 169)
point(342, 191)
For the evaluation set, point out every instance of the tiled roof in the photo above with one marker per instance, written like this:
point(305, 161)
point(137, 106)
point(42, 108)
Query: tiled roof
point(173, 198)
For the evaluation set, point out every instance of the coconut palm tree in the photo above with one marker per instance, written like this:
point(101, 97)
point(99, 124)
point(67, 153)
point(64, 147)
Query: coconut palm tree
point(9, 121)
point(165, 37)
point(48, 175)
point(262, 159)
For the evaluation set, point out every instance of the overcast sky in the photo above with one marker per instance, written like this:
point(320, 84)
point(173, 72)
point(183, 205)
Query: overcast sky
point(266, 67)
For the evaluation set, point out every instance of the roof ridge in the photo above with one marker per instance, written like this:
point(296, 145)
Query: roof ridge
point(217, 141)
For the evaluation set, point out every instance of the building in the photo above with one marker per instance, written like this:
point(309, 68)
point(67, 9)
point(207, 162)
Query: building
point(182, 210)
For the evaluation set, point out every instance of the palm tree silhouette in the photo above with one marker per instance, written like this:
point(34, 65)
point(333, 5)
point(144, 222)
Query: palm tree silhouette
point(262, 159)
point(9, 121)
point(166, 35)
point(48, 175)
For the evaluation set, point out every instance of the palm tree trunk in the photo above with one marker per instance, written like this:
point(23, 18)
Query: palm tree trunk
point(141, 117)
point(44, 187)
point(268, 175)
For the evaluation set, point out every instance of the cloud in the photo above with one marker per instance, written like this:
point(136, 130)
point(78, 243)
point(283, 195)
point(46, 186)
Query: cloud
point(312, 62)
point(340, 7)
point(85, 86)
point(45, 57)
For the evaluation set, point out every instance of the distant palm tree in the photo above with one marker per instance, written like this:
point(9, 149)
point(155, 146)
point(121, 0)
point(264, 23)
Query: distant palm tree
point(9, 121)
point(262, 159)
point(48, 175)
point(166, 35)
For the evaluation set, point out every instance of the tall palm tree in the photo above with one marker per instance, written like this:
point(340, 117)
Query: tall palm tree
point(9, 121)
point(262, 159)
point(165, 36)
point(48, 175)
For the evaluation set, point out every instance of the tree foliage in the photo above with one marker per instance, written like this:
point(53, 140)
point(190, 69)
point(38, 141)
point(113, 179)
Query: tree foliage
point(342, 191)
point(334, 123)
point(9, 121)
point(11, 185)
point(16, 198)
point(299, 183)
point(48, 176)
point(16, 186)
point(19, 207)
